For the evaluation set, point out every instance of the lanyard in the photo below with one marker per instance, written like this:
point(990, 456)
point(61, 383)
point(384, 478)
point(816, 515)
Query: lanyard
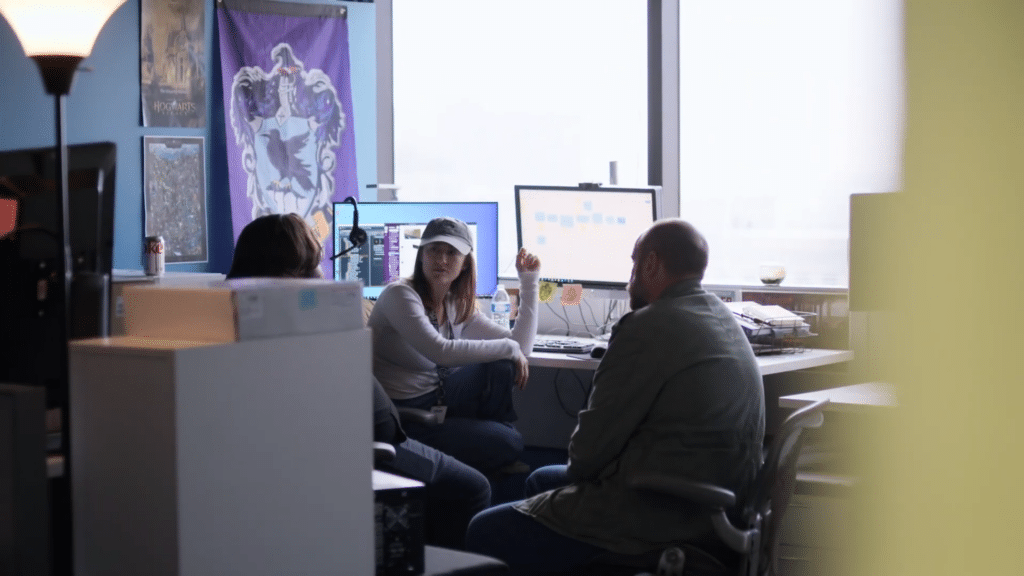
point(442, 371)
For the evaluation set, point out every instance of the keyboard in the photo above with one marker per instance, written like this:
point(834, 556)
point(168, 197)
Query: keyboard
point(563, 345)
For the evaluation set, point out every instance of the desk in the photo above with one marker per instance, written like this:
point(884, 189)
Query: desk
point(547, 407)
point(857, 398)
point(861, 401)
point(769, 364)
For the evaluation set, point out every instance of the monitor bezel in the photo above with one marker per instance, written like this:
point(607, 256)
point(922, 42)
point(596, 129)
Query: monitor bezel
point(653, 191)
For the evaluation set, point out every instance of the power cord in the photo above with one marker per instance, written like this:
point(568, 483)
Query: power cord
point(563, 404)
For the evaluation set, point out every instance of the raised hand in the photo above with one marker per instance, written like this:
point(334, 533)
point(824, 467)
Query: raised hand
point(526, 261)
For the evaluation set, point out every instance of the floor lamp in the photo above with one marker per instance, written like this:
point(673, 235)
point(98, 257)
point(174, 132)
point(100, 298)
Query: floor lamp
point(58, 35)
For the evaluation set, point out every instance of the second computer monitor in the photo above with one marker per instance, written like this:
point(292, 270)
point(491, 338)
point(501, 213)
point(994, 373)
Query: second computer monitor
point(393, 232)
point(584, 235)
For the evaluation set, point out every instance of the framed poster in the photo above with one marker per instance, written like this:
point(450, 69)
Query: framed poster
point(172, 63)
point(175, 198)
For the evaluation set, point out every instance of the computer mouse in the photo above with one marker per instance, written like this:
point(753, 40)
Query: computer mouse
point(597, 351)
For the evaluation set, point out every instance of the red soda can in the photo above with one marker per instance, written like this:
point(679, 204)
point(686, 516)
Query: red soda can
point(153, 252)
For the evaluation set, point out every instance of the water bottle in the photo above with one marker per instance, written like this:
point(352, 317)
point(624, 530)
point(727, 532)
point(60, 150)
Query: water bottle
point(501, 306)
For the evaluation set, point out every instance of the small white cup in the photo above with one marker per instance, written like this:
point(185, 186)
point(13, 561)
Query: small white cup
point(772, 273)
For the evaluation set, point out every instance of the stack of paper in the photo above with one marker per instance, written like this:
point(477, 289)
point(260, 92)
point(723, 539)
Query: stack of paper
point(772, 315)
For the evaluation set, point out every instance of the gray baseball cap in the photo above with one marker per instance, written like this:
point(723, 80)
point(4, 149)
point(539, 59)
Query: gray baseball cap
point(450, 230)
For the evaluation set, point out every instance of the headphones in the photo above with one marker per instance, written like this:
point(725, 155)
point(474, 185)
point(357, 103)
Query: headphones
point(357, 236)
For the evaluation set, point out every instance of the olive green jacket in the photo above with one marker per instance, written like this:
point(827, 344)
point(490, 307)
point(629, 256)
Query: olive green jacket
point(678, 392)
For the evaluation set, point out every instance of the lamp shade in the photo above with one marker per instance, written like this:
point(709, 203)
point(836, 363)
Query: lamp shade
point(58, 27)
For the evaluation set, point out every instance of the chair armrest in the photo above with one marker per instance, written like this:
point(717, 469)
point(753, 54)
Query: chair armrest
point(716, 498)
point(425, 417)
point(699, 492)
point(383, 452)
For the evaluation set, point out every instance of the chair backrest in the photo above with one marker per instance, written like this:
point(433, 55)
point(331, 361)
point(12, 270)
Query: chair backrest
point(776, 480)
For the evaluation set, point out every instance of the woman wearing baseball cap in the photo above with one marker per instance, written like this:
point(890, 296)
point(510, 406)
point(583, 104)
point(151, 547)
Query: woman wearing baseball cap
point(433, 350)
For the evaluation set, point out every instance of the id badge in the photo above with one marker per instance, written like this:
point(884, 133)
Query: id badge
point(439, 411)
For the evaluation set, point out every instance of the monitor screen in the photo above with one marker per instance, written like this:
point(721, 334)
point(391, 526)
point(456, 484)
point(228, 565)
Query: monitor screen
point(393, 230)
point(584, 235)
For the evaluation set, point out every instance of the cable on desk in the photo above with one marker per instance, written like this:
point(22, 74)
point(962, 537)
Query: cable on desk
point(591, 309)
point(585, 388)
point(562, 402)
point(564, 318)
point(586, 326)
point(558, 394)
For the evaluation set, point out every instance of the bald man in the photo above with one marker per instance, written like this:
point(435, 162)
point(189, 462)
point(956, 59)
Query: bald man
point(678, 392)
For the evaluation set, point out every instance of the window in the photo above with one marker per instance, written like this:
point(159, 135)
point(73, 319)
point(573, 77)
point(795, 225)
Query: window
point(786, 108)
point(488, 95)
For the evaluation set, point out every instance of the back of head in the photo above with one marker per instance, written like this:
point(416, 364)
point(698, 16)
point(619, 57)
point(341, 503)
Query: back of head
point(680, 247)
point(277, 245)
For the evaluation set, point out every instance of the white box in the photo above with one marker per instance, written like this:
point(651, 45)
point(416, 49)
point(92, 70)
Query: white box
point(242, 458)
point(243, 309)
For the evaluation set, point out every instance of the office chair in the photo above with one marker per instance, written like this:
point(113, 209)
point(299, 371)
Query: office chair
point(745, 545)
point(382, 453)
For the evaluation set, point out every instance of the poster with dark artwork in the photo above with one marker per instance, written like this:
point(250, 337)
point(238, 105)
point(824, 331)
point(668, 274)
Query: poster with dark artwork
point(173, 63)
point(287, 110)
point(175, 199)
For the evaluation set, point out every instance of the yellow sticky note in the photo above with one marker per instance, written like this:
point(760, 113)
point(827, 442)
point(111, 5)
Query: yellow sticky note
point(546, 292)
point(572, 294)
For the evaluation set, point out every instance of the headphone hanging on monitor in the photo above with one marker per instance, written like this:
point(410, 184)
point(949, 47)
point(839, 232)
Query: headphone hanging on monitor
point(357, 236)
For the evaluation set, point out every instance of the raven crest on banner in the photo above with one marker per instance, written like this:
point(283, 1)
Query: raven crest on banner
point(288, 123)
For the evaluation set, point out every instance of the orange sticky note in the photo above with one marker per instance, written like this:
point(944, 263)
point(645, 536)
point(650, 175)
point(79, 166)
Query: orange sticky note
point(572, 294)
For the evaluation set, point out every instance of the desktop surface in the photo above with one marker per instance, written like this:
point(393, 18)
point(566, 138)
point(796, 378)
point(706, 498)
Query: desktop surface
point(862, 397)
point(769, 364)
point(560, 383)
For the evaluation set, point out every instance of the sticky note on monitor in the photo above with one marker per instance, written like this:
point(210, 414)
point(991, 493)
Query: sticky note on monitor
point(546, 291)
point(572, 294)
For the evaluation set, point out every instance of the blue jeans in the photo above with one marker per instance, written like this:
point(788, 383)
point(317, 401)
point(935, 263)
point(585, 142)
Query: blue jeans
point(478, 426)
point(454, 491)
point(526, 545)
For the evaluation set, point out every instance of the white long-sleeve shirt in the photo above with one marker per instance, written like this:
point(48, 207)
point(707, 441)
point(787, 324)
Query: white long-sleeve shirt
point(407, 348)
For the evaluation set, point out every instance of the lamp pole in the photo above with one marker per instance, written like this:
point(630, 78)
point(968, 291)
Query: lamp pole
point(58, 35)
point(58, 73)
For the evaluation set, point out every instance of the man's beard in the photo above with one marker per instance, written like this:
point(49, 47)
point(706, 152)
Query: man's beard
point(637, 298)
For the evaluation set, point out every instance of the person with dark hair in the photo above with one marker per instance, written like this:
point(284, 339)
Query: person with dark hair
point(678, 393)
point(433, 350)
point(276, 246)
point(284, 246)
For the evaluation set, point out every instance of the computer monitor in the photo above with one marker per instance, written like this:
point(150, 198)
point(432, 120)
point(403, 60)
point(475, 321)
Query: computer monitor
point(584, 234)
point(31, 308)
point(393, 230)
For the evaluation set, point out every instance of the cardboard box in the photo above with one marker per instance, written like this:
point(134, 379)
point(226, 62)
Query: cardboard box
point(398, 524)
point(243, 309)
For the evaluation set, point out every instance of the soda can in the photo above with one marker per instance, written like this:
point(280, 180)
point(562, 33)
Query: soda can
point(153, 252)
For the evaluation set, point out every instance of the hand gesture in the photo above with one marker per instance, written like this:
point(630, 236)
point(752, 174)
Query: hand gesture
point(526, 261)
point(522, 367)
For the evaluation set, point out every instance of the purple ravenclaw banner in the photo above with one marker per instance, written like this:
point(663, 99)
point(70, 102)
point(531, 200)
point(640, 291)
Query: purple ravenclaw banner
point(287, 111)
